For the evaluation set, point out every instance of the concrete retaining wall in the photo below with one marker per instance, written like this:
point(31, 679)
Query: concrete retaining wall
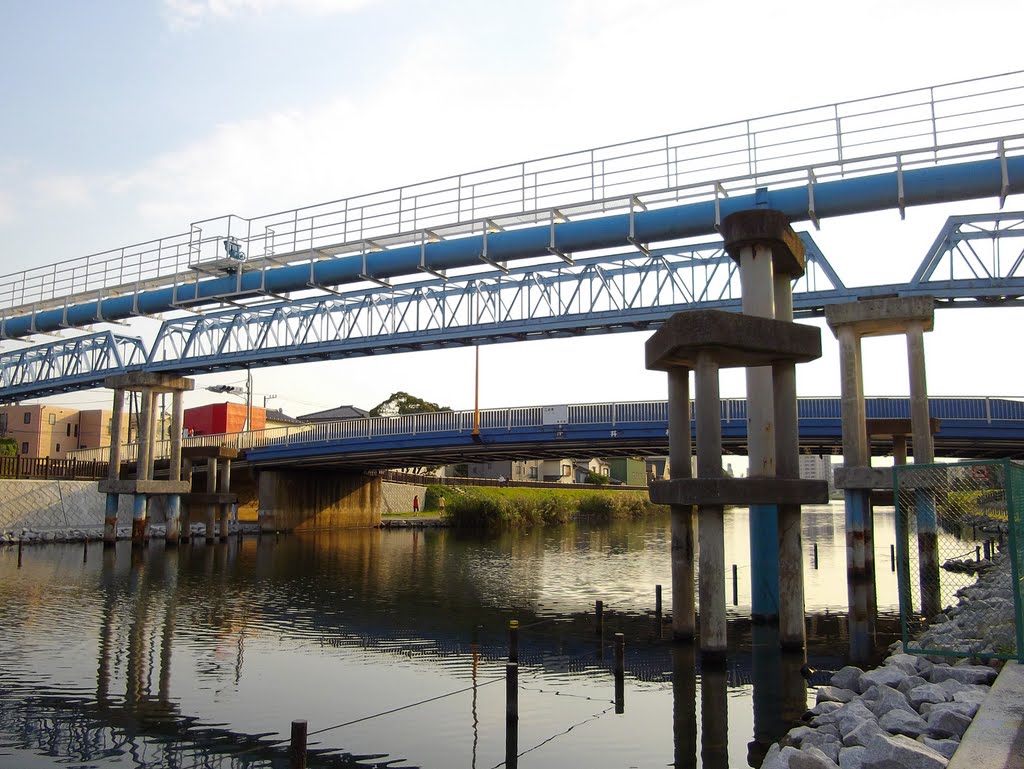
point(57, 506)
point(397, 497)
point(293, 500)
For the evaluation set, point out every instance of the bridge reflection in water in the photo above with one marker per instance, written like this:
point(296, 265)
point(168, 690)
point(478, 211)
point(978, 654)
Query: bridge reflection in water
point(202, 656)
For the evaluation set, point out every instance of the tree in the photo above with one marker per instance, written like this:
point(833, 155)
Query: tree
point(400, 403)
point(8, 447)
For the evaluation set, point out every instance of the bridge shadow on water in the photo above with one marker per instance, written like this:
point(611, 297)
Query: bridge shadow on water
point(397, 640)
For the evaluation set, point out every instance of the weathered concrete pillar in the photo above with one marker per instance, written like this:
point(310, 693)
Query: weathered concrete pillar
point(792, 633)
point(924, 453)
point(855, 446)
point(758, 291)
point(113, 468)
point(225, 507)
point(683, 550)
point(211, 507)
point(186, 514)
point(710, 517)
point(143, 467)
point(173, 531)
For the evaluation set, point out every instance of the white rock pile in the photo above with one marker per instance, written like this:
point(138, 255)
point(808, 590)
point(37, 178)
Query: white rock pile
point(156, 531)
point(911, 712)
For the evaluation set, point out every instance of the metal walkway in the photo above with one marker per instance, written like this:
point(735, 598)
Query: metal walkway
point(944, 143)
point(974, 261)
point(969, 427)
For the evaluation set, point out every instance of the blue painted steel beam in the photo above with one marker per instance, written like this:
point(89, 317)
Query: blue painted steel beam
point(921, 186)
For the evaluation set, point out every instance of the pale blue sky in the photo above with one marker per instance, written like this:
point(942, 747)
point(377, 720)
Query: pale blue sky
point(126, 121)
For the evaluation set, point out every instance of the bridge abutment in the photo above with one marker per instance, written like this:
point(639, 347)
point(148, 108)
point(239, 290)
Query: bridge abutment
point(294, 500)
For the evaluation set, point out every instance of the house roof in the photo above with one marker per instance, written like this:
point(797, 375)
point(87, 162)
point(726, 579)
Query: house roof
point(339, 412)
point(276, 415)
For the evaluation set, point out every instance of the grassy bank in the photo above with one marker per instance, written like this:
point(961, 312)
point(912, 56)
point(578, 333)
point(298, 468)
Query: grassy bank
point(510, 507)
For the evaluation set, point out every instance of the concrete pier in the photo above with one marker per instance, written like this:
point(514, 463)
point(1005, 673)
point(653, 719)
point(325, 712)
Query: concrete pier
point(704, 341)
point(683, 529)
point(143, 486)
point(851, 322)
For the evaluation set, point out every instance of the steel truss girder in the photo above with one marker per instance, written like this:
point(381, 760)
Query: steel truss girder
point(974, 250)
point(69, 364)
point(625, 291)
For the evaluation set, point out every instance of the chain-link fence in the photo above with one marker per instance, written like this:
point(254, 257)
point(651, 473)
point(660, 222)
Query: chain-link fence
point(959, 537)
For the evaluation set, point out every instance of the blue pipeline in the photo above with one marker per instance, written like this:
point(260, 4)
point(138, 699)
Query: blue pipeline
point(922, 186)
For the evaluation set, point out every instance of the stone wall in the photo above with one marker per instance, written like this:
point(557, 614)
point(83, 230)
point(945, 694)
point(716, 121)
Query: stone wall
point(56, 506)
point(397, 497)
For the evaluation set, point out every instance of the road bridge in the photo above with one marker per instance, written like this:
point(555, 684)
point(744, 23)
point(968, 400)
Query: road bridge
point(969, 427)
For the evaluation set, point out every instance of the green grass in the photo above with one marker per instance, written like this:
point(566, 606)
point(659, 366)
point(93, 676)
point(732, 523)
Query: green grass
point(513, 507)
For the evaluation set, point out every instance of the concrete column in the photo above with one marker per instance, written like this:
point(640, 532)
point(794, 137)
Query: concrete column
point(792, 635)
point(757, 283)
point(143, 466)
point(211, 488)
point(855, 447)
point(710, 524)
point(186, 524)
point(683, 545)
point(173, 535)
point(924, 453)
point(225, 507)
point(113, 468)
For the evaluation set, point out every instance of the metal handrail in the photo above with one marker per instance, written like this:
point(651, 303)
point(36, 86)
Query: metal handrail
point(896, 130)
point(619, 413)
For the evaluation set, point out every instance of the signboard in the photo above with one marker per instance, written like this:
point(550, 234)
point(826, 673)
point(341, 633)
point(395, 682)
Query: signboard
point(555, 415)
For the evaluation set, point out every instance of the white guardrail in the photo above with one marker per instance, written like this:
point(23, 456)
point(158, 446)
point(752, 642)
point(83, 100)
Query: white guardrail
point(976, 118)
point(639, 412)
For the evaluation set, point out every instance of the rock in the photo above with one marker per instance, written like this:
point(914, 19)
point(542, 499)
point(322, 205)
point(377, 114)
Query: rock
point(862, 733)
point(778, 757)
point(824, 707)
point(882, 699)
point(909, 683)
point(886, 676)
point(796, 735)
point(965, 674)
point(828, 744)
point(945, 747)
point(850, 716)
point(898, 752)
point(930, 693)
point(835, 694)
point(952, 686)
point(902, 722)
point(966, 708)
point(852, 758)
point(972, 696)
point(947, 723)
point(847, 678)
point(812, 758)
point(905, 662)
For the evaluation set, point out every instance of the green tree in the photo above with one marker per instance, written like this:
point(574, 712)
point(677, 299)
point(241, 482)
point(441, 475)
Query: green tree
point(8, 447)
point(400, 403)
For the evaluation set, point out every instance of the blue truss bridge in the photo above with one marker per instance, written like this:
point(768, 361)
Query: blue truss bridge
point(968, 427)
point(607, 239)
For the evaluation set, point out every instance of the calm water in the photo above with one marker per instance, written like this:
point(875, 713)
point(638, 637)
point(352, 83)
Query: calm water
point(392, 644)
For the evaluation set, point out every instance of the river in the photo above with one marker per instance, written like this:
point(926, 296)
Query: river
point(392, 645)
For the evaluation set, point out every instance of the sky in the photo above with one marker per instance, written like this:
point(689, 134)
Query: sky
point(127, 121)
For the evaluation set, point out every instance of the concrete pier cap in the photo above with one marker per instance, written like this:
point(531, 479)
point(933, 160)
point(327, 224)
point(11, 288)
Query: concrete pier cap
point(145, 380)
point(882, 317)
point(733, 340)
point(765, 227)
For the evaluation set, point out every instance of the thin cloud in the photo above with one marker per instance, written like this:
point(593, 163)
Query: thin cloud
point(62, 190)
point(191, 13)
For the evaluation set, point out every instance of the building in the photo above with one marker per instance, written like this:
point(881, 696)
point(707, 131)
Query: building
point(277, 418)
point(815, 467)
point(332, 415)
point(217, 418)
point(628, 470)
point(52, 431)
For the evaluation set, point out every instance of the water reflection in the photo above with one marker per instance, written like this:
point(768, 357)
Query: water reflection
point(201, 656)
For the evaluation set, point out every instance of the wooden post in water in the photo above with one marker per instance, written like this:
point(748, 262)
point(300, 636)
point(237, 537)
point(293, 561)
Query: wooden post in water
point(620, 655)
point(657, 601)
point(513, 640)
point(19, 552)
point(298, 745)
point(511, 715)
point(735, 586)
point(599, 611)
